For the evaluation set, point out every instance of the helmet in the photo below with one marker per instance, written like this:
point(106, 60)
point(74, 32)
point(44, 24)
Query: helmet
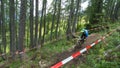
point(82, 30)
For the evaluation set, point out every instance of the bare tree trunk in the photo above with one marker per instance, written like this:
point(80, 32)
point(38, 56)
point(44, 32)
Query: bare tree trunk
point(3, 26)
point(69, 31)
point(41, 23)
point(58, 18)
point(53, 20)
point(76, 16)
point(36, 24)
point(44, 22)
point(12, 28)
point(16, 25)
point(0, 30)
point(22, 21)
point(31, 23)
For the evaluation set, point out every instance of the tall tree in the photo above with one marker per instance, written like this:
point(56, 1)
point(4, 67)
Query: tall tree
point(53, 19)
point(0, 30)
point(12, 27)
point(44, 21)
point(58, 17)
point(36, 23)
point(31, 23)
point(3, 25)
point(22, 21)
point(70, 20)
point(28, 25)
point(41, 23)
point(16, 22)
point(76, 16)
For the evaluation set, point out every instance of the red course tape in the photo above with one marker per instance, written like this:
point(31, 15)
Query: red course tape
point(78, 53)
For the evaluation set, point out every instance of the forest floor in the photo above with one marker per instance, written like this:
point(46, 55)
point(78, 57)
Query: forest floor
point(76, 61)
point(83, 60)
point(54, 52)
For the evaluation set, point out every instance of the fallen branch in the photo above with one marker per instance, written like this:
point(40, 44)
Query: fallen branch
point(108, 53)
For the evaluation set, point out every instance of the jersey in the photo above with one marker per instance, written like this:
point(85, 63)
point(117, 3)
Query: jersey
point(86, 33)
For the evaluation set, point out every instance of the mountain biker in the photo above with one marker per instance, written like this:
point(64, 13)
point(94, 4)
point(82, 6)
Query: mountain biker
point(84, 35)
point(82, 38)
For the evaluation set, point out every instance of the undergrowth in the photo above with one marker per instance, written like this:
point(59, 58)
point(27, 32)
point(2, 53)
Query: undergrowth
point(95, 58)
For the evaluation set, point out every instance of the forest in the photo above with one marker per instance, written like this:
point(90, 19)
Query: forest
point(59, 33)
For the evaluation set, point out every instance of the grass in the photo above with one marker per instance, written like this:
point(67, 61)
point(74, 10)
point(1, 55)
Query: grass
point(57, 47)
point(92, 61)
point(98, 52)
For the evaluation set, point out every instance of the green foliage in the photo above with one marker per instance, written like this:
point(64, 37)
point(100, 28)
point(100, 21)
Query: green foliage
point(95, 58)
point(100, 11)
point(15, 64)
point(55, 47)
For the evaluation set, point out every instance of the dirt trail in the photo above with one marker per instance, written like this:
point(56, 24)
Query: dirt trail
point(61, 56)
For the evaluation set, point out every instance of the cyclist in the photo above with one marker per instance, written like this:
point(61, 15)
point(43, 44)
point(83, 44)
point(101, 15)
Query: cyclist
point(84, 35)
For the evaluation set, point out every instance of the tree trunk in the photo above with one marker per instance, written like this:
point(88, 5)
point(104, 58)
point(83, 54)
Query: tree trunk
point(76, 16)
point(3, 26)
point(43, 39)
point(53, 20)
point(12, 28)
point(31, 23)
point(22, 21)
point(16, 25)
point(58, 18)
point(0, 31)
point(70, 20)
point(41, 20)
point(36, 24)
